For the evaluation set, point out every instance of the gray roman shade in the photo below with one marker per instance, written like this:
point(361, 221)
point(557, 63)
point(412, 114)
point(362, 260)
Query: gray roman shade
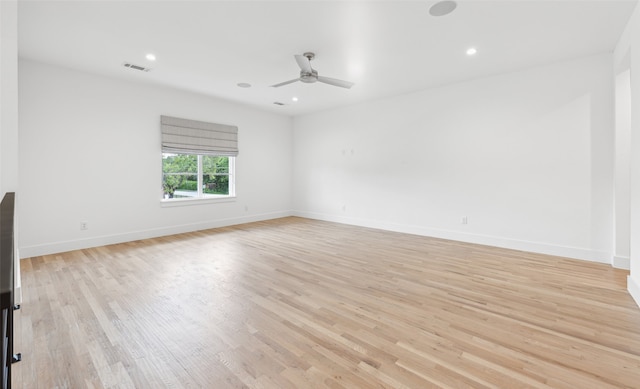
point(184, 136)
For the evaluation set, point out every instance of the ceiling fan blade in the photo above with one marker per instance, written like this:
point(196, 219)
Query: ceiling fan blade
point(285, 83)
point(304, 63)
point(336, 82)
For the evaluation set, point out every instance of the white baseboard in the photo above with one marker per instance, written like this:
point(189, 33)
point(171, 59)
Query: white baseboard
point(543, 248)
point(620, 262)
point(634, 289)
point(59, 247)
point(521, 245)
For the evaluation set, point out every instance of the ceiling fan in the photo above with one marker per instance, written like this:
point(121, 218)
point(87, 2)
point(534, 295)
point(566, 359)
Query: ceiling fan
point(309, 75)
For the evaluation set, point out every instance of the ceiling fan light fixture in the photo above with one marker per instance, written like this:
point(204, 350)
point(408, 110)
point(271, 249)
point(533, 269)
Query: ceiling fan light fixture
point(309, 75)
point(443, 8)
point(309, 78)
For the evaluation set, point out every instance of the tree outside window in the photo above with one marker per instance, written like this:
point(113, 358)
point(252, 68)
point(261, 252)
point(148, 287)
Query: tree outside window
point(197, 176)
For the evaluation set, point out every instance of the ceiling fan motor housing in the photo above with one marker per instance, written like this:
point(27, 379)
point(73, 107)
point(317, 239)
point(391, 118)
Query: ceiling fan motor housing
point(309, 78)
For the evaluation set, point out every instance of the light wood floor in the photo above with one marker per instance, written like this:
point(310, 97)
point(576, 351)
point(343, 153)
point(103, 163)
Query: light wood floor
point(295, 303)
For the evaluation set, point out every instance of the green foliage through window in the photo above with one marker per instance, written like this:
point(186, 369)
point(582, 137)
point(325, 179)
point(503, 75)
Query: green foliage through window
point(182, 174)
point(215, 174)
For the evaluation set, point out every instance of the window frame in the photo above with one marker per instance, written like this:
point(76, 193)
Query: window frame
point(201, 197)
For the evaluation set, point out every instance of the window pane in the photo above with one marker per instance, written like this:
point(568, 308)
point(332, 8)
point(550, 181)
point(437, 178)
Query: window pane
point(188, 187)
point(179, 172)
point(215, 164)
point(179, 163)
point(215, 177)
point(215, 185)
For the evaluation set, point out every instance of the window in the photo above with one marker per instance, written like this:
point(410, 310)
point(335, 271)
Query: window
point(197, 176)
point(198, 159)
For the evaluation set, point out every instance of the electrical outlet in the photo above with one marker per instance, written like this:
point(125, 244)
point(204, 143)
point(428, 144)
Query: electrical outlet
point(84, 226)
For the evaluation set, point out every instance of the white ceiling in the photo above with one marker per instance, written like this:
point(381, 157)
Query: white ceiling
point(386, 48)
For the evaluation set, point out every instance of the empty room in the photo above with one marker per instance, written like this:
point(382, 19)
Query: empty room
point(320, 194)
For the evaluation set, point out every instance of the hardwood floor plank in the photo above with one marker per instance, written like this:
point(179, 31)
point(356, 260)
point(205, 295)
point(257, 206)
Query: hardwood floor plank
point(298, 303)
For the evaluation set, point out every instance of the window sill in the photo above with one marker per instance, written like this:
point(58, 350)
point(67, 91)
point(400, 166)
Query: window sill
point(196, 201)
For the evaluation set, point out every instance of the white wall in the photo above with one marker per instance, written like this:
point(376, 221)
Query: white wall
point(622, 232)
point(9, 116)
point(90, 151)
point(8, 97)
point(629, 45)
point(527, 157)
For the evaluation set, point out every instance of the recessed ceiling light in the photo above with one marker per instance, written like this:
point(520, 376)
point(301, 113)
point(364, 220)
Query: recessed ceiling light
point(472, 51)
point(151, 57)
point(294, 99)
point(244, 85)
point(442, 8)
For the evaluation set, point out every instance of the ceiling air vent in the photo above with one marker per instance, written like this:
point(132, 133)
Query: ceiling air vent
point(136, 67)
point(278, 103)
